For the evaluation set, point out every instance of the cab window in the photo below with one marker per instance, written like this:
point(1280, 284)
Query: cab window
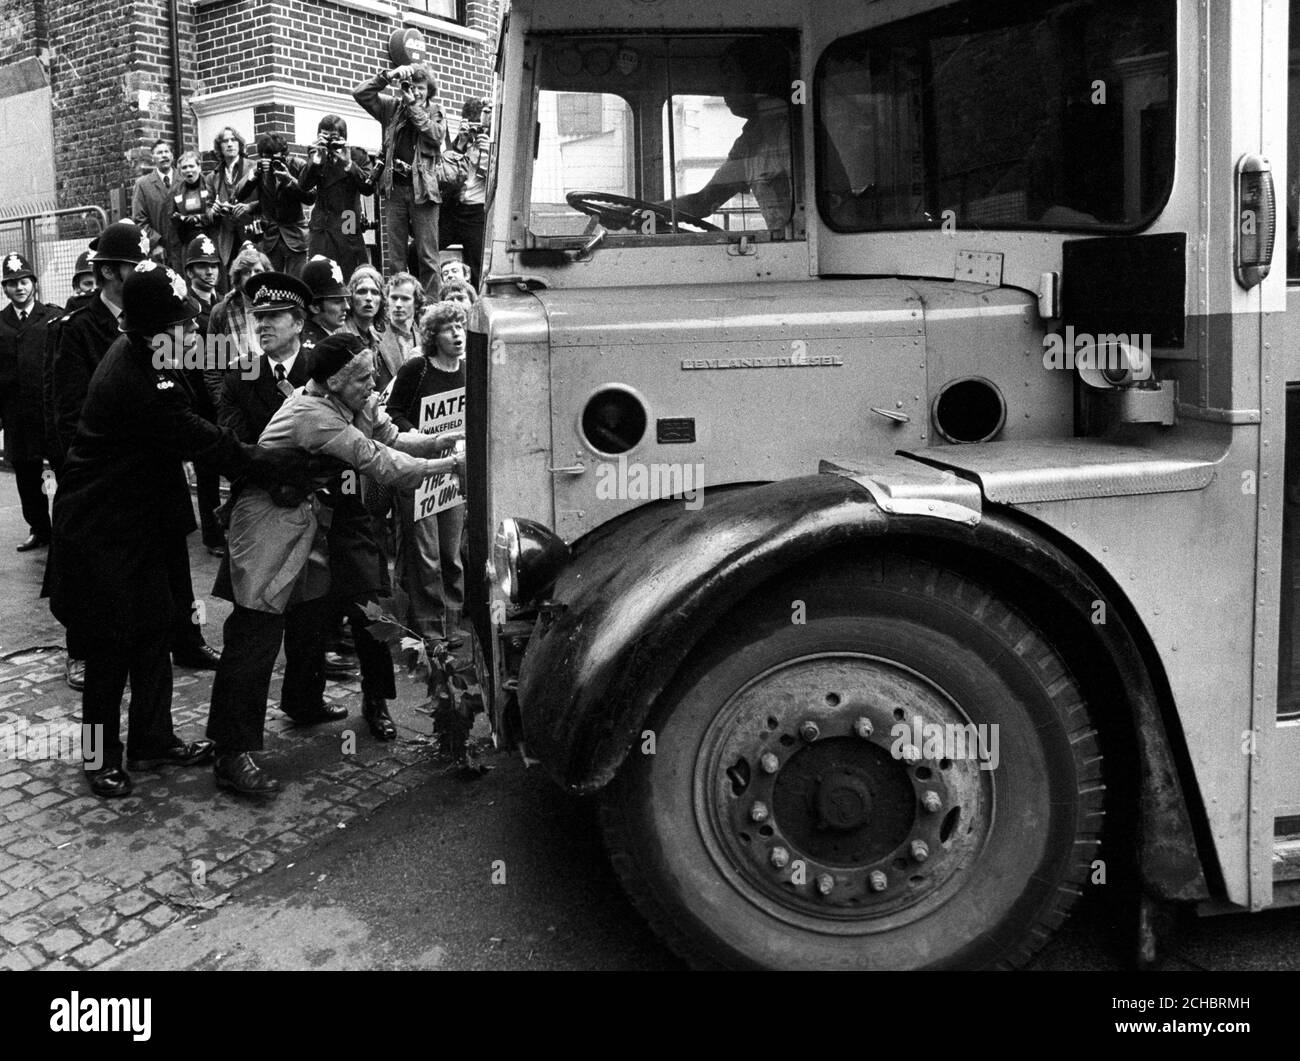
point(677, 138)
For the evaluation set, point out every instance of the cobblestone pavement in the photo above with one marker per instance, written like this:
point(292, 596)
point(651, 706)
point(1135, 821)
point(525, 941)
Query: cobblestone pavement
point(84, 879)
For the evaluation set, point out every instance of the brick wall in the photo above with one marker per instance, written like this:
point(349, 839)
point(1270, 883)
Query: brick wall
point(22, 29)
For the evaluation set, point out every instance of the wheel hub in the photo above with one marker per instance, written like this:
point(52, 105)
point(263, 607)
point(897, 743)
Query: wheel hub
point(822, 791)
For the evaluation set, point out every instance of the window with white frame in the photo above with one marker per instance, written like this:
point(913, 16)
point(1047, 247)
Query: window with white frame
point(452, 10)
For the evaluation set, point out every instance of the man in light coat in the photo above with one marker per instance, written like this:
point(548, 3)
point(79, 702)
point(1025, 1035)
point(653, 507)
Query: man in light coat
point(152, 206)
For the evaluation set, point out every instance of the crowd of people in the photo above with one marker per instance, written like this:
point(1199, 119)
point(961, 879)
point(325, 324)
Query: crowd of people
point(225, 326)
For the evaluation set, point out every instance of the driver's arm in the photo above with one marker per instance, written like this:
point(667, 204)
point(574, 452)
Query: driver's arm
point(728, 182)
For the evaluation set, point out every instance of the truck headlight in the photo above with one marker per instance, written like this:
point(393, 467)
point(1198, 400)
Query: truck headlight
point(526, 557)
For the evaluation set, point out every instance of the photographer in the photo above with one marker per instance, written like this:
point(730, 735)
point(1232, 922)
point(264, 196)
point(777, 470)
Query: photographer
point(462, 219)
point(274, 191)
point(413, 130)
point(340, 176)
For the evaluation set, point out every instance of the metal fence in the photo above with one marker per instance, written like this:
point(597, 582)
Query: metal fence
point(51, 239)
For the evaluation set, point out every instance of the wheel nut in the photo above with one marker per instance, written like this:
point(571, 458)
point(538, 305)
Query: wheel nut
point(879, 882)
point(808, 730)
point(909, 753)
point(769, 763)
point(931, 802)
point(863, 728)
point(825, 883)
point(758, 812)
point(780, 857)
point(919, 851)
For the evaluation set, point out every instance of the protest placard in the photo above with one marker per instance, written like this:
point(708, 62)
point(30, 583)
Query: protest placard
point(439, 413)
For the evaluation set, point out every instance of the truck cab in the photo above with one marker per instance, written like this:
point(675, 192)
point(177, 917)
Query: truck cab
point(878, 455)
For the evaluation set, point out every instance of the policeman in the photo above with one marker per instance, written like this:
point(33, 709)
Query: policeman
point(83, 281)
point(23, 325)
point(203, 271)
point(329, 298)
point(122, 501)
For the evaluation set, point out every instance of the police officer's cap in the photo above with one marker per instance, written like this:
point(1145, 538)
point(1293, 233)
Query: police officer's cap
point(82, 267)
point(16, 267)
point(325, 278)
point(277, 292)
point(201, 249)
point(122, 241)
point(155, 298)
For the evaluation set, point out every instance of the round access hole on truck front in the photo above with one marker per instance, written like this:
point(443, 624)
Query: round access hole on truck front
point(969, 410)
point(613, 420)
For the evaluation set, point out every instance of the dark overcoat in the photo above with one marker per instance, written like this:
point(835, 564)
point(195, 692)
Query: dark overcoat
point(22, 353)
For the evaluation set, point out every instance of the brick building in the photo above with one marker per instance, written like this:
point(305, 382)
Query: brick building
point(86, 86)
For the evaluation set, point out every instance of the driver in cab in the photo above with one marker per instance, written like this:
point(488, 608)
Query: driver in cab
point(756, 86)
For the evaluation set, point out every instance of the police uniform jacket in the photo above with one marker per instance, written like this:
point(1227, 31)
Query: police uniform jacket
point(280, 204)
point(123, 494)
point(84, 338)
point(279, 556)
point(196, 378)
point(247, 405)
point(22, 353)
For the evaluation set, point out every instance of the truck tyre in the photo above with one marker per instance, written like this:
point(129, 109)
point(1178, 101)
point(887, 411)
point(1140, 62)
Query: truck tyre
point(874, 764)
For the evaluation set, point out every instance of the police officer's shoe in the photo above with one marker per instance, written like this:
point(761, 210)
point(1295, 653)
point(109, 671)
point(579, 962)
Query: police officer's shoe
point(374, 709)
point(179, 754)
point(318, 714)
point(238, 773)
point(34, 541)
point(74, 673)
point(196, 657)
point(112, 782)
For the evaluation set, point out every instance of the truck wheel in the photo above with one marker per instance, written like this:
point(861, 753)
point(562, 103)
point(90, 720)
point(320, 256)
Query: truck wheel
point(907, 778)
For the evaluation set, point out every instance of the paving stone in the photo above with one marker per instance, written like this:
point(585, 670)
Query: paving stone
point(18, 902)
point(132, 931)
point(28, 847)
point(33, 954)
point(391, 788)
point(23, 874)
point(93, 892)
point(169, 882)
point(61, 907)
point(60, 941)
point(93, 953)
point(16, 812)
point(23, 929)
point(13, 778)
point(258, 860)
point(227, 877)
point(10, 795)
point(159, 916)
point(15, 961)
point(58, 883)
point(369, 800)
point(97, 922)
point(101, 815)
point(130, 903)
point(38, 786)
point(49, 799)
point(125, 877)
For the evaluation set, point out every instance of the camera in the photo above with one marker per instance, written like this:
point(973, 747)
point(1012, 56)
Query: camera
point(405, 84)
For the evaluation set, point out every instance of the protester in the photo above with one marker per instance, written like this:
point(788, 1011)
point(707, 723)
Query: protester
point(405, 302)
point(202, 269)
point(232, 319)
point(152, 207)
point(278, 559)
point(329, 298)
point(461, 294)
point(23, 325)
point(414, 127)
point(275, 194)
point(462, 220)
point(454, 271)
point(228, 214)
point(192, 201)
point(368, 317)
point(339, 175)
point(122, 502)
point(428, 549)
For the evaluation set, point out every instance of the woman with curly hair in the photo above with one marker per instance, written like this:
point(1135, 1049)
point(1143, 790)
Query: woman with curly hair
point(428, 549)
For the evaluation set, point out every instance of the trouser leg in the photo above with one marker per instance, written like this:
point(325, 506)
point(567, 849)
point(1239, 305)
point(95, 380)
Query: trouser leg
point(107, 666)
point(149, 718)
point(303, 690)
point(185, 633)
point(374, 657)
point(77, 647)
point(418, 568)
point(209, 483)
point(35, 503)
point(451, 522)
point(243, 680)
point(425, 217)
point(397, 227)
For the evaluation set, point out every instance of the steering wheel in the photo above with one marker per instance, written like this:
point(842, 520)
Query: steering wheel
point(617, 211)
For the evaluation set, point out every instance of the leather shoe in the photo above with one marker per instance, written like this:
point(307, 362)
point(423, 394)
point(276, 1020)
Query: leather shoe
point(320, 713)
point(338, 665)
point(375, 712)
point(215, 548)
point(74, 673)
point(112, 782)
point(34, 541)
point(179, 754)
point(238, 773)
point(196, 657)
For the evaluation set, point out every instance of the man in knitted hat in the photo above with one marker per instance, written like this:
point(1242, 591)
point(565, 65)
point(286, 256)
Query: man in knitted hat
point(279, 561)
point(121, 505)
point(23, 325)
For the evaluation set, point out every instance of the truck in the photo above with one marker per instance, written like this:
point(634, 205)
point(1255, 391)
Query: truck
point(883, 461)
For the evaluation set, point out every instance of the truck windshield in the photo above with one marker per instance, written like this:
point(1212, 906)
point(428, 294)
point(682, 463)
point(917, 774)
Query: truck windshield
point(1000, 114)
point(654, 136)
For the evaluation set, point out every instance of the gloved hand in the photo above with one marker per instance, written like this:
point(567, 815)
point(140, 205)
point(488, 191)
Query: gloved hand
point(284, 473)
